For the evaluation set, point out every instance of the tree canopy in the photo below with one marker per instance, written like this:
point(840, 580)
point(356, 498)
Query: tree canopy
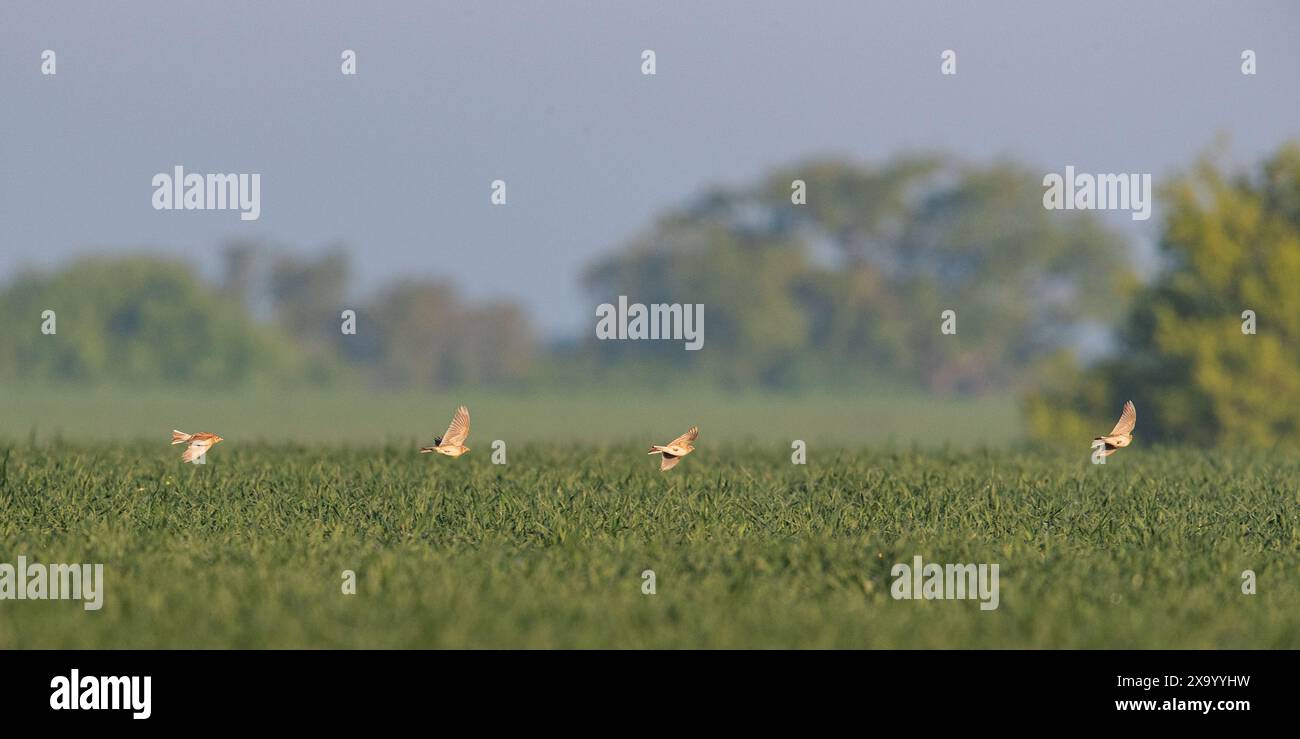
point(134, 319)
point(1188, 358)
point(852, 284)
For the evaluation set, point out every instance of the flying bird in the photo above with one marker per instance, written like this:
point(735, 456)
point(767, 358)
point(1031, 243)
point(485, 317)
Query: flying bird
point(452, 443)
point(674, 450)
point(1120, 436)
point(199, 444)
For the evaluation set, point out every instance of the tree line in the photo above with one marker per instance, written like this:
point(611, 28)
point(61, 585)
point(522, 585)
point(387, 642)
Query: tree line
point(827, 273)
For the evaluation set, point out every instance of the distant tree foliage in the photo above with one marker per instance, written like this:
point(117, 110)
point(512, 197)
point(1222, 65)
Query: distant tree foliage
point(307, 295)
point(851, 285)
point(426, 337)
point(136, 319)
point(275, 319)
point(1232, 244)
point(848, 288)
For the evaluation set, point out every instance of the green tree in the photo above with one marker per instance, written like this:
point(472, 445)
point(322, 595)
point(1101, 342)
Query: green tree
point(1232, 244)
point(135, 319)
point(424, 336)
point(307, 296)
point(851, 285)
point(755, 329)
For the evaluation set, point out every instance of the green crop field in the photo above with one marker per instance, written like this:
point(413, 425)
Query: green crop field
point(748, 549)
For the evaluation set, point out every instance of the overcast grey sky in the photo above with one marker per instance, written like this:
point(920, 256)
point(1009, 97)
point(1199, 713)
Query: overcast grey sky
point(396, 162)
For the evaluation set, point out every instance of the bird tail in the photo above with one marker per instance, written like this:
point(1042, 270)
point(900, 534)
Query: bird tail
point(180, 437)
point(428, 449)
point(655, 450)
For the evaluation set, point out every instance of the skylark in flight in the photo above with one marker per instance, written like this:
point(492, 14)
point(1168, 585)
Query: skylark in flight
point(1122, 435)
point(674, 450)
point(452, 443)
point(199, 444)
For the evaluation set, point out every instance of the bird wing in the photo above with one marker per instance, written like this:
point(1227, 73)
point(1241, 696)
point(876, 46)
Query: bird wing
point(458, 431)
point(196, 449)
point(1127, 420)
point(668, 462)
point(686, 438)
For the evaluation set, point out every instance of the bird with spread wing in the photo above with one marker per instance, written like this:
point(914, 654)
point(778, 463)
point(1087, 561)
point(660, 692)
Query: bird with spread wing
point(1120, 436)
point(452, 443)
point(674, 450)
point(198, 444)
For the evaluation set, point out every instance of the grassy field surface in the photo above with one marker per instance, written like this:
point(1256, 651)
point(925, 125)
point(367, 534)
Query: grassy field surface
point(748, 549)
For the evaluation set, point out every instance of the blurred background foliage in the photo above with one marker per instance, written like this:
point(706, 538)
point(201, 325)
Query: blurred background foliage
point(1231, 244)
point(842, 294)
point(136, 320)
point(851, 287)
